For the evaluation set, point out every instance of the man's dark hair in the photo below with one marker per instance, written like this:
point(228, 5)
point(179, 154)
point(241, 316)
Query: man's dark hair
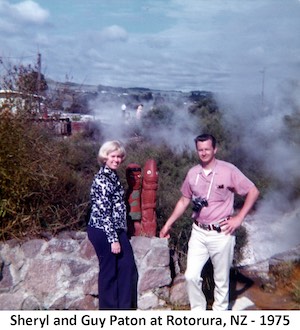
point(205, 137)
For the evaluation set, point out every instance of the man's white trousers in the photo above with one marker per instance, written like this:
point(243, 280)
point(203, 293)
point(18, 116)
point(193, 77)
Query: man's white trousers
point(219, 248)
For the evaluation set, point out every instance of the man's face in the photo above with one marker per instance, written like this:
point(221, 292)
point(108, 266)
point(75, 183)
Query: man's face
point(206, 152)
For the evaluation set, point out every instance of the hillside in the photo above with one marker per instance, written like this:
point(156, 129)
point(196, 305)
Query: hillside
point(75, 97)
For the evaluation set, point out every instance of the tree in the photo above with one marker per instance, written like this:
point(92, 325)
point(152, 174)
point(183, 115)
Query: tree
point(29, 82)
point(159, 116)
point(23, 79)
point(24, 87)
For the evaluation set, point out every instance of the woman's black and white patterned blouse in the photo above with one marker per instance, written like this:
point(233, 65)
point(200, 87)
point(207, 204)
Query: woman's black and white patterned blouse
point(108, 211)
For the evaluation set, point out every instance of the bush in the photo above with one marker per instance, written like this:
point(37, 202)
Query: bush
point(44, 181)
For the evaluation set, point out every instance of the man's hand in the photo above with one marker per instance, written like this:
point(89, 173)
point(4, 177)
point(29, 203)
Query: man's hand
point(164, 233)
point(180, 207)
point(231, 224)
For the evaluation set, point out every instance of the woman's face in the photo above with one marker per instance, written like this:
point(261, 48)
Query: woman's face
point(114, 160)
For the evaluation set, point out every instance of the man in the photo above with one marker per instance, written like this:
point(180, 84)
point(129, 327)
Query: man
point(211, 186)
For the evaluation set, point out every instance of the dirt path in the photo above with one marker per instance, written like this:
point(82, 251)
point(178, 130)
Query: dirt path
point(280, 298)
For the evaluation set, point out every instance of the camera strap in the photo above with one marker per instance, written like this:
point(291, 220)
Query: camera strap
point(210, 184)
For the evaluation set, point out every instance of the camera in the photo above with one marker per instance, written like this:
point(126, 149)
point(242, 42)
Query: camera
point(198, 203)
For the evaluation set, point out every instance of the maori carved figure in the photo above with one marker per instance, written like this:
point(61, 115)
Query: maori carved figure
point(148, 198)
point(133, 198)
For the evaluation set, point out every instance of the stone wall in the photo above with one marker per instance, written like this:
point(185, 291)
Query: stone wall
point(61, 273)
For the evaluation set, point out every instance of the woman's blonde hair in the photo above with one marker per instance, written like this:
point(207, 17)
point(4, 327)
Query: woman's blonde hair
point(108, 147)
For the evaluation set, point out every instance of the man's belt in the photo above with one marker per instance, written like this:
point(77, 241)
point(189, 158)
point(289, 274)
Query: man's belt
point(214, 226)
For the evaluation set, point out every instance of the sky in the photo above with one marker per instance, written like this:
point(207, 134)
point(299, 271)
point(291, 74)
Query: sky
point(213, 45)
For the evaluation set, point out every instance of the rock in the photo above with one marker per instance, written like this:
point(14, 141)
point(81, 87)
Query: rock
point(31, 303)
point(6, 280)
point(290, 256)
point(153, 262)
point(148, 301)
point(178, 292)
point(263, 273)
point(11, 300)
point(59, 273)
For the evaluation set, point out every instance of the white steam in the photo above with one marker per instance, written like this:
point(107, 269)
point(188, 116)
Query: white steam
point(271, 229)
point(265, 137)
point(117, 123)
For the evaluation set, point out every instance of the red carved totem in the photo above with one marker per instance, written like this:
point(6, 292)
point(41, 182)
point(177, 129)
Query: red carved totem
point(133, 197)
point(141, 198)
point(148, 198)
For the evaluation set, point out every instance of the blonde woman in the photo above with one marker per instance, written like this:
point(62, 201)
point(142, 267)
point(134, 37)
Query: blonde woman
point(107, 231)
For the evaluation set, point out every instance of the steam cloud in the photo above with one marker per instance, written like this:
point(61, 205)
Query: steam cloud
point(116, 127)
point(259, 120)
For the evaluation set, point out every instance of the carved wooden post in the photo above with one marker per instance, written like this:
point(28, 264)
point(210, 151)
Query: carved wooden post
point(148, 198)
point(133, 198)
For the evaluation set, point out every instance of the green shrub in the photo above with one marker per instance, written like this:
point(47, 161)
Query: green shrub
point(44, 181)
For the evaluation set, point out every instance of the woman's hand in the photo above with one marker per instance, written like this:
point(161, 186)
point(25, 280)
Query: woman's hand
point(115, 247)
